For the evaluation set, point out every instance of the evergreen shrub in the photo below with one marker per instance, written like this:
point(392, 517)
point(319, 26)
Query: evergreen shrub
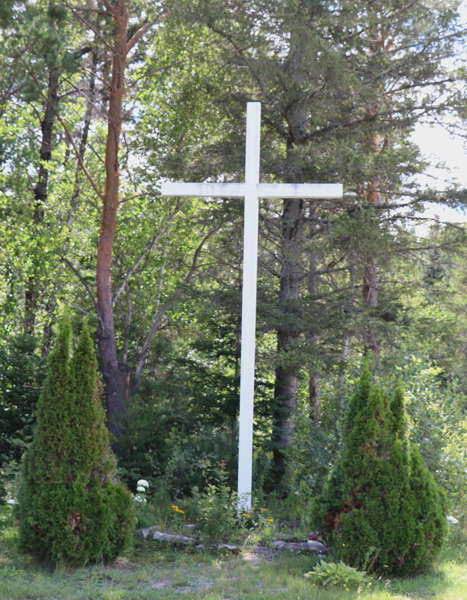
point(71, 508)
point(381, 509)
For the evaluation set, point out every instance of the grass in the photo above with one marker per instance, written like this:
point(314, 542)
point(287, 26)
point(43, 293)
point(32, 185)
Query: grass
point(152, 571)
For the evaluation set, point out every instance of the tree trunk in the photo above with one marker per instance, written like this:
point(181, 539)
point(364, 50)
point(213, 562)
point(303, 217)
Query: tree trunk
point(115, 375)
point(344, 358)
point(92, 63)
point(313, 374)
point(371, 338)
point(287, 371)
point(314, 393)
point(40, 194)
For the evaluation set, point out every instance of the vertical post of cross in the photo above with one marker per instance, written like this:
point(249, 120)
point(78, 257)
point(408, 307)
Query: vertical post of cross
point(250, 267)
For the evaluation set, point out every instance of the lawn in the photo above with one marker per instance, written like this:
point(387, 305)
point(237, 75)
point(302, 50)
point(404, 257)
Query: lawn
point(153, 571)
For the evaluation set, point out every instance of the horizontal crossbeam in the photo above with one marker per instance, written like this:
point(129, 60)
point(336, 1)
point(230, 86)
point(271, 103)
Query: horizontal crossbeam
point(260, 190)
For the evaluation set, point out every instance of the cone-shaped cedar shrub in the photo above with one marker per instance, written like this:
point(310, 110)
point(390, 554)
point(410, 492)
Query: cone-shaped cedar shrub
point(71, 509)
point(381, 508)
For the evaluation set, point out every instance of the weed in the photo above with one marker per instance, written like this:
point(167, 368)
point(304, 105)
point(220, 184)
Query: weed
point(338, 575)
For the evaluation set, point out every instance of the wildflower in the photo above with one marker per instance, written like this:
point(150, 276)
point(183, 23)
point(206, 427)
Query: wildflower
point(263, 509)
point(246, 515)
point(174, 507)
point(142, 483)
point(11, 502)
point(139, 499)
point(452, 520)
point(270, 520)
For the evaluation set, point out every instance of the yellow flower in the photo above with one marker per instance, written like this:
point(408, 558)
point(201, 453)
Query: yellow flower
point(246, 515)
point(270, 520)
point(265, 509)
point(174, 507)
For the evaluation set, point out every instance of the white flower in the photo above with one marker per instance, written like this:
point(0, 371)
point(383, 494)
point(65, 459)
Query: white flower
point(141, 488)
point(142, 483)
point(11, 502)
point(139, 499)
point(452, 520)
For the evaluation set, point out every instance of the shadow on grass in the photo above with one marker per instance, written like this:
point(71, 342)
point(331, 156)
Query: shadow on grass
point(152, 571)
point(431, 585)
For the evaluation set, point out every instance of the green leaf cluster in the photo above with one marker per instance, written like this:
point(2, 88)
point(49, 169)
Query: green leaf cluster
point(217, 505)
point(71, 508)
point(380, 507)
point(338, 574)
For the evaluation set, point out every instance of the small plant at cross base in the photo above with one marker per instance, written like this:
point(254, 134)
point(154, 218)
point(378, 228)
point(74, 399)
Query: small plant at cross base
point(71, 508)
point(217, 505)
point(381, 509)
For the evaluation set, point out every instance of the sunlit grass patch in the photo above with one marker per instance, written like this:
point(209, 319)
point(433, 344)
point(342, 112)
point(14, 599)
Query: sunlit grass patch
point(151, 572)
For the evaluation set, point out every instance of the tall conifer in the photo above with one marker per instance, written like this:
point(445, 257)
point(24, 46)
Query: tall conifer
point(381, 507)
point(71, 509)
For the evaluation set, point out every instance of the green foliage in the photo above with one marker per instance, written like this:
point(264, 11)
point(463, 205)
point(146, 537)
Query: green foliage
point(435, 404)
point(381, 507)
point(143, 513)
point(329, 574)
point(217, 505)
point(71, 509)
point(21, 377)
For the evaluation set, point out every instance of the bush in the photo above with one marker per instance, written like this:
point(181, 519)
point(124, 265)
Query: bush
point(217, 505)
point(71, 509)
point(338, 575)
point(380, 507)
point(21, 378)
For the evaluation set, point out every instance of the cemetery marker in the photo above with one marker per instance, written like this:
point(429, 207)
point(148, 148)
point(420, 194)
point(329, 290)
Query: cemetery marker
point(251, 191)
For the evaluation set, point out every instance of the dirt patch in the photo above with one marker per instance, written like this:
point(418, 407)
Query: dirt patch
point(266, 553)
point(195, 585)
point(160, 585)
point(256, 554)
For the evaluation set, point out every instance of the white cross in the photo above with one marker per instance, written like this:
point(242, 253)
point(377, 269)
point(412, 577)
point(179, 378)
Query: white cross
point(251, 191)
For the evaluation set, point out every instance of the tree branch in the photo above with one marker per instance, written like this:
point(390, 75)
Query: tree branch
point(67, 133)
point(85, 312)
point(69, 264)
point(157, 318)
point(149, 246)
point(88, 24)
point(137, 35)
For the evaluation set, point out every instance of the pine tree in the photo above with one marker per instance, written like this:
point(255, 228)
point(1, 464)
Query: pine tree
point(381, 507)
point(71, 508)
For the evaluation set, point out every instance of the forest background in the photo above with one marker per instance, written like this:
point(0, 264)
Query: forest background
point(101, 100)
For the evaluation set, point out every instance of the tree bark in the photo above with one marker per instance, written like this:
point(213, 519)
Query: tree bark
point(114, 374)
point(84, 134)
point(288, 332)
point(370, 276)
point(313, 338)
point(371, 337)
point(40, 193)
point(287, 371)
